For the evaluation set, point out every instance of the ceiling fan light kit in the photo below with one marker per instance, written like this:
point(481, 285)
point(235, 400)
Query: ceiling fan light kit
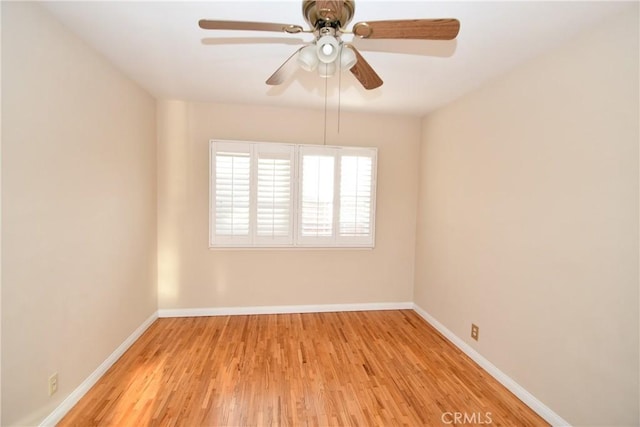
point(327, 49)
point(328, 20)
point(308, 58)
point(347, 58)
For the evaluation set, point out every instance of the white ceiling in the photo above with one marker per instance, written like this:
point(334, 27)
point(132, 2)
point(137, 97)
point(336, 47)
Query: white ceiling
point(160, 46)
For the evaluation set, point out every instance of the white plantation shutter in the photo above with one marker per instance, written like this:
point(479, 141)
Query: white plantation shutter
point(274, 206)
point(356, 196)
point(284, 195)
point(316, 207)
point(231, 176)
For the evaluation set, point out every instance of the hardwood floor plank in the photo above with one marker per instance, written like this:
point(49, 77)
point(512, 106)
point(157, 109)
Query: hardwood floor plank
point(376, 368)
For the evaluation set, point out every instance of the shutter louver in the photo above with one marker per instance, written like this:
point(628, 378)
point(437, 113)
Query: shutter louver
point(317, 196)
point(232, 195)
point(355, 196)
point(274, 196)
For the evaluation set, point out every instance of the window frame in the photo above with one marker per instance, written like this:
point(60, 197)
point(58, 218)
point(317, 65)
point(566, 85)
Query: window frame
point(295, 240)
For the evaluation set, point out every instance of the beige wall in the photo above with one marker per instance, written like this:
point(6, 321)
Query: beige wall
point(528, 224)
point(192, 276)
point(79, 206)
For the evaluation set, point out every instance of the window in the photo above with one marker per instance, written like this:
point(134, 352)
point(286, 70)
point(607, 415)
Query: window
point(284, 195)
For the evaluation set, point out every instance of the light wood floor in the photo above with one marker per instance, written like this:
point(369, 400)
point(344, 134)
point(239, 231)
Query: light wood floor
point(376, 368)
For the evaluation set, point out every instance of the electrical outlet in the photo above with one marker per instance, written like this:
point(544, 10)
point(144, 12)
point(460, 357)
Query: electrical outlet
point(53, 384)
point(475, 331)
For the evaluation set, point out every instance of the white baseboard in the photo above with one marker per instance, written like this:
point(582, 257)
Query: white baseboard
point(540, 408)
point(282, 309)
point(54, 417)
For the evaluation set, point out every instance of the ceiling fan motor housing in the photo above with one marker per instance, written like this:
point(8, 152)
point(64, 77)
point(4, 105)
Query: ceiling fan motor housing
point(318, 18)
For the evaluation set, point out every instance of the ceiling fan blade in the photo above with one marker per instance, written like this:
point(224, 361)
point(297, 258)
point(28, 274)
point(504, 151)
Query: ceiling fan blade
point(434, 48)
point(234, 41)
point(207, 24)
point(285, 71)
point(363, 71)
point(329, 9)
point(422, 29)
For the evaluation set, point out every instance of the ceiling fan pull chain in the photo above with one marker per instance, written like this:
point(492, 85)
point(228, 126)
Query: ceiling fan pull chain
point(325, 111)
point(339, 83)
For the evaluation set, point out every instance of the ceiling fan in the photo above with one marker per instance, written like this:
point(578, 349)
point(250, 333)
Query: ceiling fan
point(328, 20)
